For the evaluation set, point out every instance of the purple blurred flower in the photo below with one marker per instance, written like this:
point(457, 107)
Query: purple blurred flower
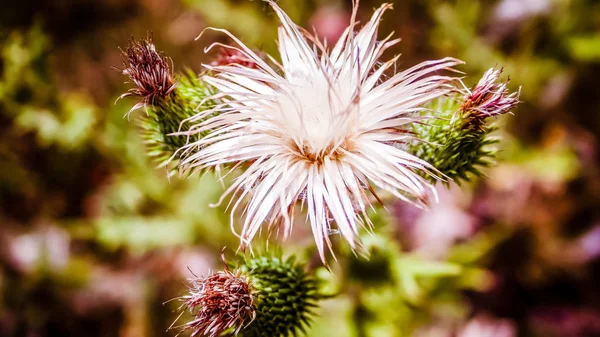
point(433, 232)
point(564, 321)
point(487, 326)
point(48, 246)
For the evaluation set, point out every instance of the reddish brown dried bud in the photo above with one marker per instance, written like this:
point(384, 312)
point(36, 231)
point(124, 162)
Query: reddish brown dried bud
point(221, 302)
point(228, 56)
point(148, 69)
point(489, 98)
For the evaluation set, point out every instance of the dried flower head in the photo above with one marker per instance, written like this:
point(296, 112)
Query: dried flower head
point(489, 98)
point(221, 302)
point(321, 129)
point(148, 69)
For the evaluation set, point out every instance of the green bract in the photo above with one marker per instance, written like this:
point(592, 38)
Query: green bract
point(285, 296)
point(453, 142)
point(166, 116)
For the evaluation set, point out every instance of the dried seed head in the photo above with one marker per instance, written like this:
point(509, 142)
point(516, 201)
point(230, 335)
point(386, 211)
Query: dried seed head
point(221, 303)
point(489, 98)
point(148, 69)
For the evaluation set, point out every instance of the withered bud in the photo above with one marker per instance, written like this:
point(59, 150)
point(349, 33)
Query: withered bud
point(221, 302)
point(489, 98)
point(228, 56)
point(148, 69)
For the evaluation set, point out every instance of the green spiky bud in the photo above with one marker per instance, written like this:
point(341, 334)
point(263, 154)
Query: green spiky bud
point(169, 100)
point(262, 297)
point(167, 116)
point(451, 144)
point(457, 142)
point(285, 296)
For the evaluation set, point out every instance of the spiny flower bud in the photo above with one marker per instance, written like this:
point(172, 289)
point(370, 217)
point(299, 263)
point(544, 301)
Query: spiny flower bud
point(264, 296)
point(457, 141)
point(169, 103)
point(285, 296)
point(166, 118)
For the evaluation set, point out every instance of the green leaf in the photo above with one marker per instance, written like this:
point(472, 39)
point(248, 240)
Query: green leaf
point(585, 48)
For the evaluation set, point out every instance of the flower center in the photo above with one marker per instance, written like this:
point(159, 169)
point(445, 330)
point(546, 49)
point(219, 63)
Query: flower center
point(317, 118)
point(307, 153)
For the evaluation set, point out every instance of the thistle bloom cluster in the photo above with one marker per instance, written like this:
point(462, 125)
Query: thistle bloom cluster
point(324, 129)
point(324, 132)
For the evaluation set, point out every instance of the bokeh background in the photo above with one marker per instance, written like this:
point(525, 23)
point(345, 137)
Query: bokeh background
point(94, 239)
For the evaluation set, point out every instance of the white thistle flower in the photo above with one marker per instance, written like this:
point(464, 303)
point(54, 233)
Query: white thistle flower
point(321, 129)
